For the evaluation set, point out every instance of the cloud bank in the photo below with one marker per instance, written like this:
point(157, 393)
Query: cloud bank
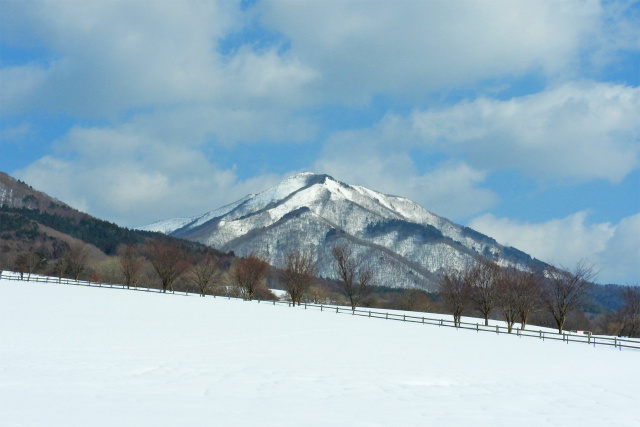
point(613, 248)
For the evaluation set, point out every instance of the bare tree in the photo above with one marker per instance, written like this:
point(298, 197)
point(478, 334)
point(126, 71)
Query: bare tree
point(508, 287)
point(131, 264)
point(455, 292)
point(629, 313)
point(319, 294)
point(76, 256)
point(168, 261)
point(6, 259)
point(355, 278)
point(29, 262)
point(20, 265)
point(414, 300)
point(248, 274)
point(529, 294)
point(565, 290)
point(298, 274)
point(204, 273)
point(60, 267)
point(482, 277)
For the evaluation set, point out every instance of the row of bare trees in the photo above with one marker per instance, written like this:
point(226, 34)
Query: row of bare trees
point(629, 313)
point(300, 272)
point(625, 321)
point(515, 293)
point(483, 286)
point(72, 262)
point(169, 261)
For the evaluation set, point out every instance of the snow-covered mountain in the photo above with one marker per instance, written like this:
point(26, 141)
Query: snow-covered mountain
point(407, 245)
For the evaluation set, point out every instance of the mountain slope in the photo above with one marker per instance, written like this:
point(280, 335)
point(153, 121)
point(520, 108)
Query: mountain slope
point(407, 245)
point(32, 220)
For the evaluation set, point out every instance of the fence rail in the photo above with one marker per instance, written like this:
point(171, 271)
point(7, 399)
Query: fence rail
point(604, 340)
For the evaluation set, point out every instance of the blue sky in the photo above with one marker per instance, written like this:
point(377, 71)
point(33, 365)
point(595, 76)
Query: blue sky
point(520, 119)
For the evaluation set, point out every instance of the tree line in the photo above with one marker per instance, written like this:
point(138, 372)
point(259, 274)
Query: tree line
point(483, 288)
point(553, 294)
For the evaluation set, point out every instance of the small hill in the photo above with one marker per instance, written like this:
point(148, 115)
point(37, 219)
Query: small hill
point(32, 219)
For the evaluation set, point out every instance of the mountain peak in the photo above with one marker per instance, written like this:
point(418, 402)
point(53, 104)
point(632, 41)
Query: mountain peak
point(306, 179)
point(404, 242)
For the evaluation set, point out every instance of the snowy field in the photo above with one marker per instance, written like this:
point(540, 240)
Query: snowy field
point(77, 356)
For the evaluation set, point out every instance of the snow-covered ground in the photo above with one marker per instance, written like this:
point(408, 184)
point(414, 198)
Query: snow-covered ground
point(79, 356)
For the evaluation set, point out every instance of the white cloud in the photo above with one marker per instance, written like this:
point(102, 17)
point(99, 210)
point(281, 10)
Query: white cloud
point(54, 177)
point(108, 57)
point(452, 189)
point(577, 131)
point(573, 133)
point(121, 176)
point(614, 249)
point(620, 261)
point(363, 48)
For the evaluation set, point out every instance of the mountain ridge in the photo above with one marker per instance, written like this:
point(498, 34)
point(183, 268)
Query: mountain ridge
point(407, 244)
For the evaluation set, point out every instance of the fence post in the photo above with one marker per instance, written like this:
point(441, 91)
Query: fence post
point(497, 329)
point(477, 328)
point(369, 313)
point(320, 307)
point(337, 310)
point(404, 317)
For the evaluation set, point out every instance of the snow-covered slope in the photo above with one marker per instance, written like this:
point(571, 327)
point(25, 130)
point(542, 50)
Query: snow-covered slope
point(407, 244)
point(77, 356)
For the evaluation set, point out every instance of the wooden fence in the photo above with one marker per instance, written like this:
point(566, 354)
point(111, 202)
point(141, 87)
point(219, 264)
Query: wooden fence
point(588, 338)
